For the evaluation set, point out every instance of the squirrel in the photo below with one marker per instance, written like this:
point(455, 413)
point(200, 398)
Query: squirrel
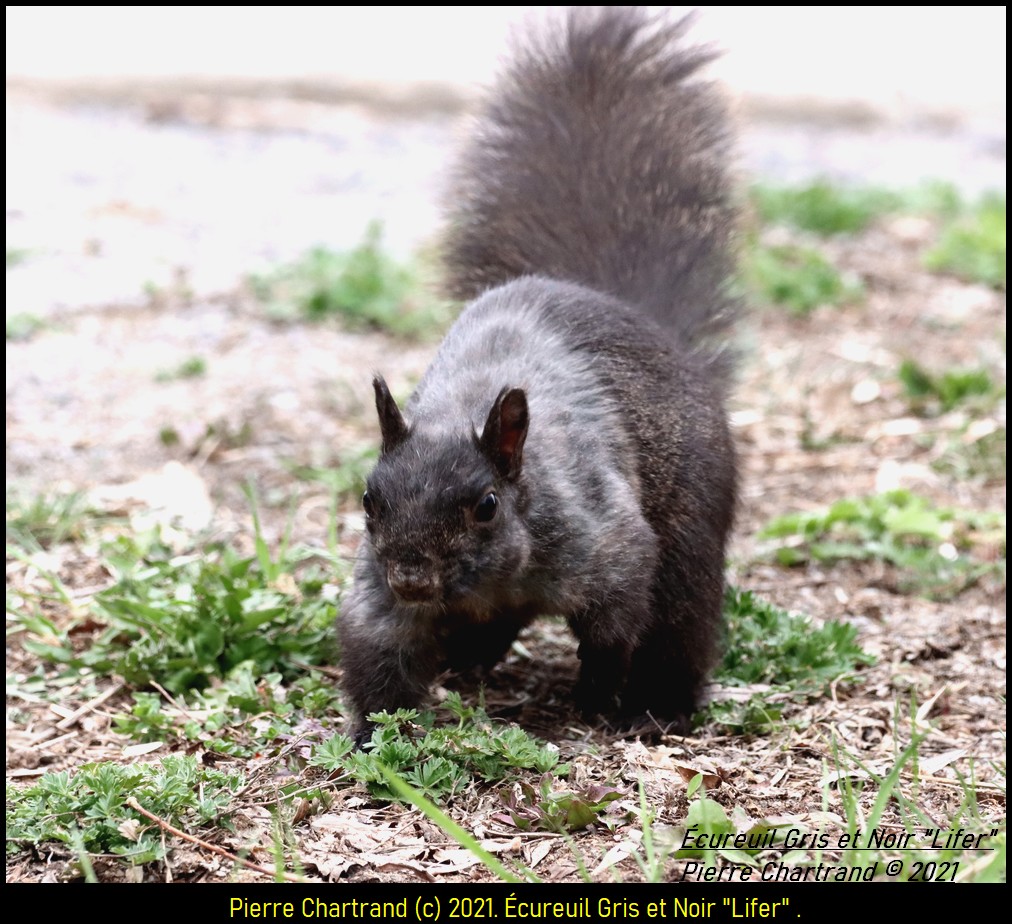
point(568, 451)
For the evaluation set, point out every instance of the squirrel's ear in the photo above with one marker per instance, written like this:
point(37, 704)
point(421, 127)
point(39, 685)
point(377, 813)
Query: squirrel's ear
point(502, 440)
point(392, 426)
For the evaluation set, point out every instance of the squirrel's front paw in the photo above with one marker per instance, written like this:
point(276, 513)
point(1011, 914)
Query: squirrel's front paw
point(594, 698)
point(361, 734)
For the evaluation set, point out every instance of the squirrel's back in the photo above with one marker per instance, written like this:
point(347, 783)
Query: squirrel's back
point(601, 158)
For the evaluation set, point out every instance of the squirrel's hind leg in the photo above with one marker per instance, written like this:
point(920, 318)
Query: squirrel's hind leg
point(670, 665)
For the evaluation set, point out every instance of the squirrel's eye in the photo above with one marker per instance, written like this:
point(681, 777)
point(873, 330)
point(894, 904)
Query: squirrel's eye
point(367, 504)
point(486, 508)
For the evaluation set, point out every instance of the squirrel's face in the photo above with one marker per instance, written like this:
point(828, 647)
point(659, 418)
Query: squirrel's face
point(444, 511)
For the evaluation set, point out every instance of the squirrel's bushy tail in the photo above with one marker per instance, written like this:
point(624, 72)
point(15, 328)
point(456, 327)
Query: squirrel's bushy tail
point(599, 159)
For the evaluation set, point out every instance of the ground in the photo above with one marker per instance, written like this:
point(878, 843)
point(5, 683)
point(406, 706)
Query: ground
point(819, 414)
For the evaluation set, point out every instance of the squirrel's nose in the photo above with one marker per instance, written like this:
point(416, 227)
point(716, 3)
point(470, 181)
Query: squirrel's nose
point(413, 583)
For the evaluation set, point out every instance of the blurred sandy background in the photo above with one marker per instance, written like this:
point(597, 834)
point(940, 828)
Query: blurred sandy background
point(906, 61)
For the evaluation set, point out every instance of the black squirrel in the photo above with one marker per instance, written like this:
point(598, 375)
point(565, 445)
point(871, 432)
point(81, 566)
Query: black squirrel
point(568, 450)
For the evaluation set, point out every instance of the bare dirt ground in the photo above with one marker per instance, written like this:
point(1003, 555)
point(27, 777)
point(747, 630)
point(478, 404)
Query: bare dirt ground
point(819, 415)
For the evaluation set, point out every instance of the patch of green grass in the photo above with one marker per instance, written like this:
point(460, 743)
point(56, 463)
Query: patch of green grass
point(23, 326)
point(191, 368)
point(546, 807)
point(980, 458)
point(365, 287)
point(169, 436)
point(16, 256)
point(227, 434)
point(938, 198)
point(766, 644)
point(936, 549)
point(243, 715)
point(174, 290)
point(823, 207)
point(944, 391)
point(152, 290)
point(972, 245)
point(769, 646)
point(437, 760)
point(186, 620)
point(759, 714)
point(219, 435)
point(230, 637)
point(44, 520)
point(826, 208)
point(88, 809)
point(797, 278)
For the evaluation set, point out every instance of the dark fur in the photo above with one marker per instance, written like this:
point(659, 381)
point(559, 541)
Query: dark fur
point(584, 386)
